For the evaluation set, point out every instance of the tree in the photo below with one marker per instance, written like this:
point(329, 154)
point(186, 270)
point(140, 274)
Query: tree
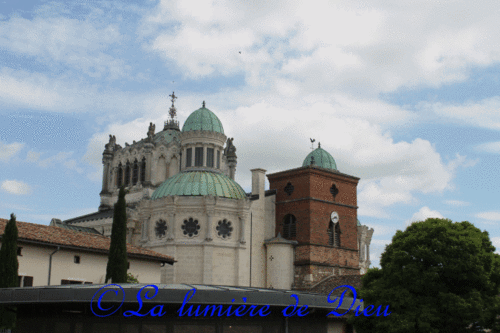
point(436, 276)
point(9, 270)
point(116, 270)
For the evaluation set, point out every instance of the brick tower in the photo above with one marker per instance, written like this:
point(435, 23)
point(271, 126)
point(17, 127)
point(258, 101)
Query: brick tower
point(316, 206)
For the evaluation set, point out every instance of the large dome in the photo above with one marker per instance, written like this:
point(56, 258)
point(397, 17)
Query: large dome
point(194, 183)
point(322, 159)
point(203, 120)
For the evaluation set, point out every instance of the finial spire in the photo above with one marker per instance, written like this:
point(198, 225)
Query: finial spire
point(172, 123)
point(319, 144)
point(173, 111)
point(203, 105)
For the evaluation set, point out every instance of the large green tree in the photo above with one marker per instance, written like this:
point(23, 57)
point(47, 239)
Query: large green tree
point(436, 276)
point(9, 269)
point(116, 270)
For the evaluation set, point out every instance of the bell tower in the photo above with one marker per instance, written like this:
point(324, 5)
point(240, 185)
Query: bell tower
point(316, 206)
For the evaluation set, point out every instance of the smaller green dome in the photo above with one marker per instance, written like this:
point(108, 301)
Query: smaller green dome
point(203, 120)
point(168, 135)
point(195, 183)
point(359, 223)
point(322, 158)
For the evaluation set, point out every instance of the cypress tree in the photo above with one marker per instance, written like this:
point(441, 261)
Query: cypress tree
point(8, 270)
point(116, 270)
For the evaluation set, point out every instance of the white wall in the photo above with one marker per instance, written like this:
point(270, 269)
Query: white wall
point(92, 267)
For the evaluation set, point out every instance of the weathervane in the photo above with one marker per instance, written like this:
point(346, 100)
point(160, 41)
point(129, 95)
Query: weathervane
point(312, 143)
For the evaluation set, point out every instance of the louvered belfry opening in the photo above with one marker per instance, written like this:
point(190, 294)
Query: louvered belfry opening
point(334, 234)
point(289, 226)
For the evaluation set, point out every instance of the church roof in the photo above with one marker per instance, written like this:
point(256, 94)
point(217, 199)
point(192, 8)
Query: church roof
point(203, 120)
point(168, 135)
point(322, 158)
point(195, 183)
point(92, 216)
point(52, 235)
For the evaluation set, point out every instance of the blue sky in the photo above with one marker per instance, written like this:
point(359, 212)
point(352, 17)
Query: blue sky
point(404, 95)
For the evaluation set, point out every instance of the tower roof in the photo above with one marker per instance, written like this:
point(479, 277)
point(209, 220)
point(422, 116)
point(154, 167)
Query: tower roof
point(203, 120)
point(196, 183)
point(321, 158)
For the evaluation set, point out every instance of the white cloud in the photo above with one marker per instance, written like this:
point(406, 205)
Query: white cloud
point(490, 216)
point(483, 114)
point(350, 46)
point(79, 44)
point(16, 187)
point(33, 156)
point(496, 244)
point(8, 150)
point(59, 158)
point(489, 147)
point(423, 214)
point(456, 203)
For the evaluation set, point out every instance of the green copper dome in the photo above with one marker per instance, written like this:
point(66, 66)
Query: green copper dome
point(193, 183)
point(168, 135)
point(322, 159)
point(203, 120)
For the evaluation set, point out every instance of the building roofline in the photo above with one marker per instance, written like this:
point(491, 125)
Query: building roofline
point(92, 250)
point(105, 214)
point(56, 236)
point(173, 294)
point(312, 167)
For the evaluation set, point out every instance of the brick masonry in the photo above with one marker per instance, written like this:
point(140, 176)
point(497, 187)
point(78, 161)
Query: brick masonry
point(311, 202)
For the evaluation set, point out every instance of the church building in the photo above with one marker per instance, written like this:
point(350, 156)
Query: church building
point(183, 201)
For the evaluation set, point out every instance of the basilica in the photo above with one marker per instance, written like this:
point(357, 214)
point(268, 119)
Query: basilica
point(183, 201)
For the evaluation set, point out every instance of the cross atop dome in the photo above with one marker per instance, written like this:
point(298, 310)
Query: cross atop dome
point(172, 123)
point(173, 111)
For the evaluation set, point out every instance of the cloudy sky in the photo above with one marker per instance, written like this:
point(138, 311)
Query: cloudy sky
point(403, 94)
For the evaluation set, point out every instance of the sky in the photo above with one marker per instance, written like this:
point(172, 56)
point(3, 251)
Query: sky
point(404, 95)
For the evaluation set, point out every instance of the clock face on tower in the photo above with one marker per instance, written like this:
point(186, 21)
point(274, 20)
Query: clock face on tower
point(334, 217)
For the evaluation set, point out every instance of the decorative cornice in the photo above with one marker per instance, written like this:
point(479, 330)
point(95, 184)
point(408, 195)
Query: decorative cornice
point(319, 200)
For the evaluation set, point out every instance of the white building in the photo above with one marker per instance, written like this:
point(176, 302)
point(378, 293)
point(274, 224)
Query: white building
point(183, 201)
point(51, 255)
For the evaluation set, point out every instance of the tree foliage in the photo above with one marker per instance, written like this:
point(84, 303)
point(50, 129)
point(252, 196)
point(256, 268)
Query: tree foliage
point(9, 269)
point(132, 279)
point(116, 270)
point(436, 276)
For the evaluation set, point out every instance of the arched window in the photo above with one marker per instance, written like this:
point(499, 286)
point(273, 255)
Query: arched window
point(135, 172)
point(334, 234)
point(289, 226)
point(119, 177)
point(143, 170)
point(127, 174)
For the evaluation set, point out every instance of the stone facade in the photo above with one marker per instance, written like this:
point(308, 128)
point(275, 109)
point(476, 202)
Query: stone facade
point(241, 256)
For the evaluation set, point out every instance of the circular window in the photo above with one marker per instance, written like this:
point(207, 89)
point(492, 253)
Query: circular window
point(224, 228)
point(161, 228)
point(190, 227)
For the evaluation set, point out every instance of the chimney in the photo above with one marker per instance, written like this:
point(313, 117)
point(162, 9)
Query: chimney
point(258, 182)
